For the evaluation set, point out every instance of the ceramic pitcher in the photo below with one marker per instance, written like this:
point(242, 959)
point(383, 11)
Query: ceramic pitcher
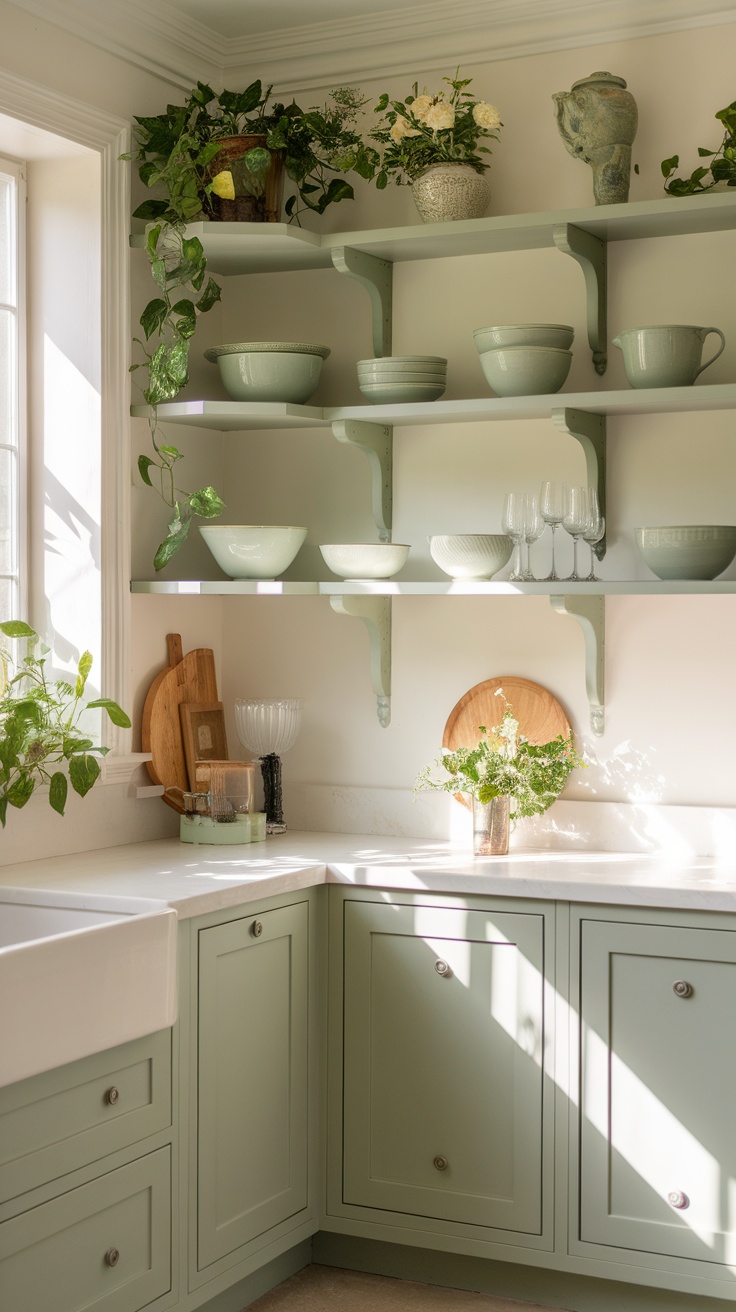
point(666, 355)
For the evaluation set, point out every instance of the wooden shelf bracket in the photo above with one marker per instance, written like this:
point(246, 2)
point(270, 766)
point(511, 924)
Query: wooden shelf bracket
point(590, 431)
point(592, 255)
point(376, 441)
point(375, 612)
point(590, 613)
point(376, 275)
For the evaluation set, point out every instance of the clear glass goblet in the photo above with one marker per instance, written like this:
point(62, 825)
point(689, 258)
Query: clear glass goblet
point(269, 727)
point(593, 533)
point(534, 527)
point(575, 523)
point(552, 506)
point(513, 525)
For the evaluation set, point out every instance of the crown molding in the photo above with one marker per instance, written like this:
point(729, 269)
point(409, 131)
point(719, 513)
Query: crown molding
point(376, 45)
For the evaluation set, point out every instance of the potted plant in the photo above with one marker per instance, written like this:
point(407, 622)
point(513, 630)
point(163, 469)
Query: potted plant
point(435, 143)
point(507, 778)
point(41, 737)
point(722, 168)
point(222, 156)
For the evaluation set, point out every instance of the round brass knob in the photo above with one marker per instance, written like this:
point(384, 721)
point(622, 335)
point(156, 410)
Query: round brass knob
point(682, 988)
point(443, 968)
point(112, 1095)
point(256, 929)
point(678, 1199)
point(112, 1257)
point(440, 1163)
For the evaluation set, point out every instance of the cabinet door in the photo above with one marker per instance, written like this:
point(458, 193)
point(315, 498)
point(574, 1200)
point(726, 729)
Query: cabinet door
point(444, 1040)
point(253, 1009)
point(105, 1245)
point(658, 1141)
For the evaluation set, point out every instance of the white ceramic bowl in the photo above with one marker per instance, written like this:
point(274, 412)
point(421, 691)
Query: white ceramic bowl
point(364, 560)
point(688, 551)
point(526, 370)
point(470, 555)
point(405, 363)
point(269, 371)
point(401, 392)
point(401, 380)
point(524, 334)
point(253, 551)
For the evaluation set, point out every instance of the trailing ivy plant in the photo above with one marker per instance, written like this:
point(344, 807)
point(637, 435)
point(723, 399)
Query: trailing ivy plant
point(41, 740)
point(722, 167)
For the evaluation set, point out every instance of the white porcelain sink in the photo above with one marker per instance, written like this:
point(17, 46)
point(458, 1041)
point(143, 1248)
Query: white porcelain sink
point(76, 981)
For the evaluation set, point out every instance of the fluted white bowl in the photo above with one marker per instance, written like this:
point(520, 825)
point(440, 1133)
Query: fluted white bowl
point(253, 551)
point(524, 334)
point(688, 551)
point(470, 555)
point(364, 560)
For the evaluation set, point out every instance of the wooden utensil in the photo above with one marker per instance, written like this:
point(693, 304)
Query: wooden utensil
point(540, 715)
point(185, 679)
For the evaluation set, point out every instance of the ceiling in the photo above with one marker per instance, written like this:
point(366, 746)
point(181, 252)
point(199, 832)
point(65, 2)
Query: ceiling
point(328, 42)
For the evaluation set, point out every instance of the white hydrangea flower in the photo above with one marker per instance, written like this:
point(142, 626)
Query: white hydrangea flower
point(486, 116)
point(440, 116)
point(402, 128)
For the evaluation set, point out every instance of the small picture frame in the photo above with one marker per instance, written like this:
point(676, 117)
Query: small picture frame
point(203, 734)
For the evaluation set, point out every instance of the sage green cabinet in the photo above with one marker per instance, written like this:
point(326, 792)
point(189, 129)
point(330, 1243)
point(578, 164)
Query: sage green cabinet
point(252, 1097)
point(446, 1098)
point(657, 1075)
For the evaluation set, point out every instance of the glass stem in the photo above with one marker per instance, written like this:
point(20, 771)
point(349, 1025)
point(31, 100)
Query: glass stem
point(553, 574)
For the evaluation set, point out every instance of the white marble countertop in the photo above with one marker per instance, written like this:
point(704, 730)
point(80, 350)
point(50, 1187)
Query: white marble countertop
point(199, 879)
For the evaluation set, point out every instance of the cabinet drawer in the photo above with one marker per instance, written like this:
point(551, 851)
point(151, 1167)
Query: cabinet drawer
point(56, 1122)
point(105, 1245)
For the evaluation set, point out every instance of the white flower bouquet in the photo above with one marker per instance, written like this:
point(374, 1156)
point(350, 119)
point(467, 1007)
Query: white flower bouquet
point(444, 128)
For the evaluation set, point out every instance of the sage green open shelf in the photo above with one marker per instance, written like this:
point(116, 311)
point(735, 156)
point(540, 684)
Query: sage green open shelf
point(433, 588)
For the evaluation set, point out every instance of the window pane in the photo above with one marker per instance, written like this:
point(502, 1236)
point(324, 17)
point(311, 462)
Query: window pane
point(8, 606)
point(8, 502)
point(8, 432)
point(7, 294)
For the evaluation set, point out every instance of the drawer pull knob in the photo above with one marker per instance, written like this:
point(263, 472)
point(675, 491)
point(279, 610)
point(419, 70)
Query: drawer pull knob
point(112, 1096)
point(678, 1199)
point(443, 968)
point(682, 988)
point(440, 1163)
point(112, 1257)
point(256, 929)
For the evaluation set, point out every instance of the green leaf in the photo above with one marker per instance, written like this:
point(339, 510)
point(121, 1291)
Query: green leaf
point(154, 317)
point(209, 297)
point(151, 209)
point(145, 463)
point(84, 667)
point(3, 809)
point(172, 452)
point(17, 629)
point(206, 503)
point(669, 165)
point(172, 542)
point(83, 772)
point(58, 789)
point(19, 792)
point(116, 713)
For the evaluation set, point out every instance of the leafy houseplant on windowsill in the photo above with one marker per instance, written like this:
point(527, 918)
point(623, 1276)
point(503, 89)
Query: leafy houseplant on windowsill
point(722, 167)
point(507, 778)
point(40, 728)
point(191, 153)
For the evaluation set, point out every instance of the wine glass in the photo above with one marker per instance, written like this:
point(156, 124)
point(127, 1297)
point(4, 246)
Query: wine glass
point(593, 533)
point(575, 523)
point(552, 505)
point(268, 727)
point(533, 529)
point(513, 525)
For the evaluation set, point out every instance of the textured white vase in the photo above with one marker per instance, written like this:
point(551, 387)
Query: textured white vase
point(450, 191)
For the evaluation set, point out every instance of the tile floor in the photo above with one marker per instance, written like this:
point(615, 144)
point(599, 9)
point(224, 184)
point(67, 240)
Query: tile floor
point(329, 1289)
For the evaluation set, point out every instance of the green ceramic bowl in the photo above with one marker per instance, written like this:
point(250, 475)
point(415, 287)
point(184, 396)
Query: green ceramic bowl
point(269, 371)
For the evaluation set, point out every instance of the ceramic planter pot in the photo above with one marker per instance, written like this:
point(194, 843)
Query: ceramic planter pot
point(252, 195)
point(450, 191)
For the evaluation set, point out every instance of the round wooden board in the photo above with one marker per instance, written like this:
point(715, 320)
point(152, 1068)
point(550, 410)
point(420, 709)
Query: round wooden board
point(539, 714)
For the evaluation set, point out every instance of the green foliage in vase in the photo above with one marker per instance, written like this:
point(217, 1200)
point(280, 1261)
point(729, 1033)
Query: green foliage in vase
point(722, 167)
point(505, 764)
point(41, 740)
point(433, 129)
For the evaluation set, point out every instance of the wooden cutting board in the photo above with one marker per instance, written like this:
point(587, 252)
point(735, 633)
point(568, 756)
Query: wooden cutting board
point(185, 679)
point(540, 715)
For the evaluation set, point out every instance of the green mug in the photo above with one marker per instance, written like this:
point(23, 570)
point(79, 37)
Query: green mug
point(666, 355)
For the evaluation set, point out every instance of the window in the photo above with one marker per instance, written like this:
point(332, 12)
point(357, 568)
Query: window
point(12, 394)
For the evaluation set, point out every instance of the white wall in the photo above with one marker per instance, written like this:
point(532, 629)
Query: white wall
point(671, 713)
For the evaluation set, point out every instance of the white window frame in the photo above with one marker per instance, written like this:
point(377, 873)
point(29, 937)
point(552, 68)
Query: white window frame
point(15, 169)
point(109, 137)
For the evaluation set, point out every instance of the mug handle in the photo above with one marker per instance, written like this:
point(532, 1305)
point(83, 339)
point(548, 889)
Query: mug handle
point(703, 333)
